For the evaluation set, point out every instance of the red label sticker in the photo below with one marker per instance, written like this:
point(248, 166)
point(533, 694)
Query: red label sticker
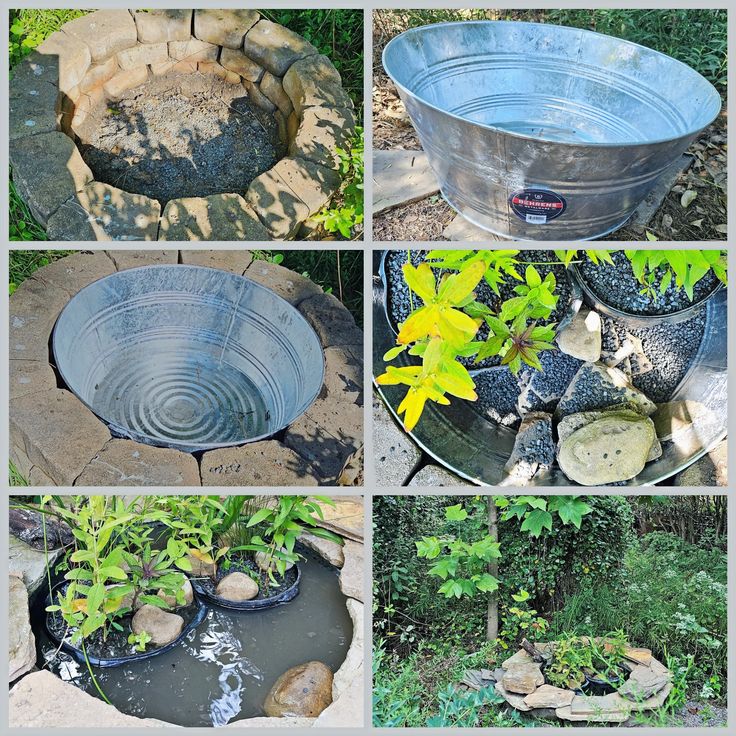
point(537, 206)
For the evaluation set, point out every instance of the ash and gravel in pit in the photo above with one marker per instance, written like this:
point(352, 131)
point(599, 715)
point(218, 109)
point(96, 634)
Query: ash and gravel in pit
point(180, 135)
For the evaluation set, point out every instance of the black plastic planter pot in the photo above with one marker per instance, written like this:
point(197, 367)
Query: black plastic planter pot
point(78, 654)
point(594, 301)
point(257, 604)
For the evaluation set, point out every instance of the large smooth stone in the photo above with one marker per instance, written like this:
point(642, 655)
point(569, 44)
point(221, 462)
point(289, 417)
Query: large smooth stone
point(304, 690)
point(611, 449)
point(162, 627)
point(523, 678)
point(237, 586)
point(582, 337)
point(549, 696)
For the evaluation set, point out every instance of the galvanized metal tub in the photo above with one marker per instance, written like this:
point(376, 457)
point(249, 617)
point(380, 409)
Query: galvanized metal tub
point(188, 357)
point(477, 448)
point(543, 132)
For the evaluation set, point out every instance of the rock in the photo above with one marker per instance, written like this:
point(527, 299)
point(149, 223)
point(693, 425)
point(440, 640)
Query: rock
point(611, 449)
point(116, 86)
point(314, 82)
point(640, 656)
point(127, 463)
point(124, 259)
point(71, 55)
point(327, 549)
point(224, 27)
point(326, 434)
point(34, 95)
point(304, 690)
point(352, 473)
point(395, 456)
point(597, 386)
point(43, 701)
point(516, 701)
point(548, 696)
point(596, 708)
point(289, 192)
point(272, 88)
point(351, 574)
point(352, 665)
point(265, 463)
point(331, 320)
point(158, 26)
point(643, 683)
point(321, 132)
point(235, 261)
point(541, 390)
point(171, 599)
point(344, 374)
point(29, 564)
point(174, 67)
point(39, 530)
point(655, 701)
point(675, 417)
point(265, 564)
point(193, 50)
point(345, 711)
point(47, 170)
point(523, 678)
point(104, 212)
point(21, 642)
point(287, 284)
point(104, 32)
point(237, 586)
point(581, 338)
point(30, 377)
point(72, 273)
point(97, 75)
point(59, 434)
point(162, 627)
point(572, 422)
point(274, 47)
point(142, 55)
point(237, 62)
point(520, 657)
point(345, 517)
point(710, 470)
point(217, 217)
point(212, 67)
point(534, 448)
point(435, 476)
point(201, 568)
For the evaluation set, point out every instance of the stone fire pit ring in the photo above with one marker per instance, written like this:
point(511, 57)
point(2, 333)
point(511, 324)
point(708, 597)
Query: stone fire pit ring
point(103, 54)
point(520, 681)
point(55, 439)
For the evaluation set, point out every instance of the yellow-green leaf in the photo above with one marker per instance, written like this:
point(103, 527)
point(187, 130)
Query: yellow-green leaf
point(420, 280)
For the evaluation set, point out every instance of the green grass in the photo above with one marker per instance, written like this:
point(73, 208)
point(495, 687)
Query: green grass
point(337, 272)
point(15, 479)
point(23, 263)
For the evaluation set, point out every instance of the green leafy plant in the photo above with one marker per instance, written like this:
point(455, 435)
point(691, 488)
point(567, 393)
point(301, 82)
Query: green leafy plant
point(460, 709)
point(686, 267)
point(140, 640)
point(347, 213)
point(521, 621)
point(597, 256)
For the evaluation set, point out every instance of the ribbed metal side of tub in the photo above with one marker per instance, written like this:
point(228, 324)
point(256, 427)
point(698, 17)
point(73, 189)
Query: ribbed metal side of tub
point(542, 132)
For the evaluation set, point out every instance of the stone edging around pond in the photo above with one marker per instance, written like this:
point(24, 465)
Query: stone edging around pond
point(42, 700)
point(103, 54)
point(521, 683)
point(56, 440)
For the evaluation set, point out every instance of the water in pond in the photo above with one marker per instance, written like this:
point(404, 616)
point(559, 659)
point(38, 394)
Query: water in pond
point(222, 671)
point(166, 394)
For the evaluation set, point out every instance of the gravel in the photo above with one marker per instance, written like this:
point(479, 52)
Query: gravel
point(180, 135)
point(498, 393)
point(618, 288)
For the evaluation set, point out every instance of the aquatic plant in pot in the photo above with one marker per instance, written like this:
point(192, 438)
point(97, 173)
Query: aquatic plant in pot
point(118, 590)
point(457, 333)
point(645, 287)
point(254, 556)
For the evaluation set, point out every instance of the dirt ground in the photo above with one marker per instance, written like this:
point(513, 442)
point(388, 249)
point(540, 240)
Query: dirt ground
point(425, 220)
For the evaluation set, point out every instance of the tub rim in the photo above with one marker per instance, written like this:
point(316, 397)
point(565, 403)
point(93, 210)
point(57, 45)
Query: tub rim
point(522, 136)
point(191, 446)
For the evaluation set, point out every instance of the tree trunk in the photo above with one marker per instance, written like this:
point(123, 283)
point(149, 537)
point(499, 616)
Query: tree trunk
point(492, 619)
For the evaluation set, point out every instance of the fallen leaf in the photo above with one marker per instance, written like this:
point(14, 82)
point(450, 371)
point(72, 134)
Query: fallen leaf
point(697, 223)
point(688, 197)
point(722, 228)
point(667, 222)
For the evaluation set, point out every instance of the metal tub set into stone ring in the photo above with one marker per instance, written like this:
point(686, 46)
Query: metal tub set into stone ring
point(101, 55)
point(543, 132)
